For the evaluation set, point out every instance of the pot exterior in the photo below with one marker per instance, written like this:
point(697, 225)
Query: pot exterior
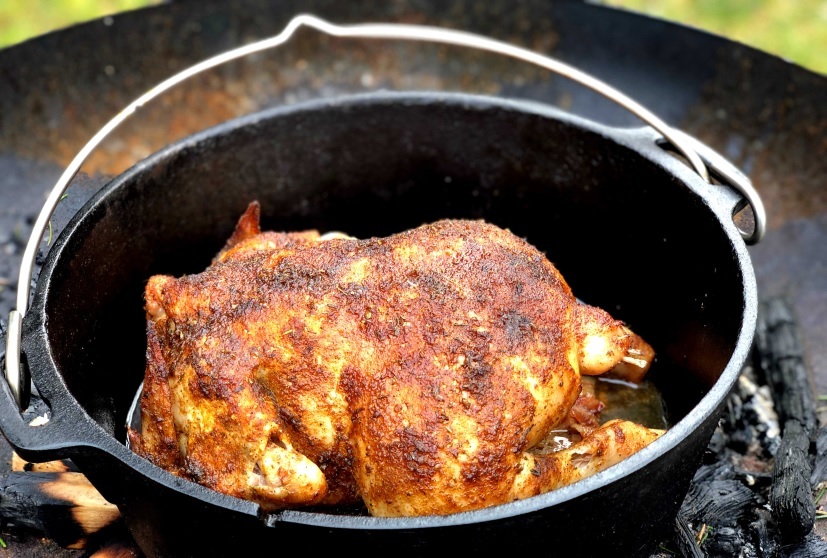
point(626, 518)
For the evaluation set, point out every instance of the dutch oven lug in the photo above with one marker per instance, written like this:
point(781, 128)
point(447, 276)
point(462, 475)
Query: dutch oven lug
point(729, 175)
point(733, 190)
point(65, 430)
point(56, 439)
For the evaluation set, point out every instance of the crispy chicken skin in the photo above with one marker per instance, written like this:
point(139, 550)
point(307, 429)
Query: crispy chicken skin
point(414, 373)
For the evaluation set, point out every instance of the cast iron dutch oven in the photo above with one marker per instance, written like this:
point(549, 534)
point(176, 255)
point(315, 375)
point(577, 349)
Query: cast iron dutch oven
point(631, 227)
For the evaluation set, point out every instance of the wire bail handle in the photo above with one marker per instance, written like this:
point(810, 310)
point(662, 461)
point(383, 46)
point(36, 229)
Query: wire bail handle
point(15, 369)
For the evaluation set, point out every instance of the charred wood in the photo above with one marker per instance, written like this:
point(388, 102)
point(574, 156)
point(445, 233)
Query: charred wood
point(723, 503)
point(791, 495)
point(62, 505)
point(811, 547)
point(819, 474)
point(764, 534)
point(781, 359)
point(684, 539)
point(730, 541)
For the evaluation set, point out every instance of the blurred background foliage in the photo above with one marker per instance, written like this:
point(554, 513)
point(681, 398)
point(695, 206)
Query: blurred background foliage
point(23, 19)
point(793, 29)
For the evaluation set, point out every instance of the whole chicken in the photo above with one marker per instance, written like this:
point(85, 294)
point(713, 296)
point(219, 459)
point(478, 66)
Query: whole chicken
point(416, 373)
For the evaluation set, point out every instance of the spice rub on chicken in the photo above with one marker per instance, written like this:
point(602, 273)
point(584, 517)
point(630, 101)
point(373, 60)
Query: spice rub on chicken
point(417, 373)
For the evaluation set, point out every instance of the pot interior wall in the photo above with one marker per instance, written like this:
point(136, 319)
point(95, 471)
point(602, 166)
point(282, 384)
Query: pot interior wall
point(626, 234)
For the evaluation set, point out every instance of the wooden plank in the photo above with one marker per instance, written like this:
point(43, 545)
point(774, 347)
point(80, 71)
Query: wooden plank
point(63, 506)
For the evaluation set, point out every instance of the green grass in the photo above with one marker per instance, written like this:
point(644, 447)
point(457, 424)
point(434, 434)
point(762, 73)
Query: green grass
point(793, 29)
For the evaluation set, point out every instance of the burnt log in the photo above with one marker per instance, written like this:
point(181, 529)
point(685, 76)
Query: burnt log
point(764, 534)
point(810, 547)
point(782, 361)
point(729, 542)
point(791, 495)
point(720, 502)
point(819, 473)
point(63, 506)
point(684, 539)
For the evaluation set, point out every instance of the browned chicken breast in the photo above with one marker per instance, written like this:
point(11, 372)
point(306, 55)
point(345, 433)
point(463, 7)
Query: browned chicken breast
point(416, 373)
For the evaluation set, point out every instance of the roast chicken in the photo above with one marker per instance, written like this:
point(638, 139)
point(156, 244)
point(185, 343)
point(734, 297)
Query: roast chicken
point(416, 374)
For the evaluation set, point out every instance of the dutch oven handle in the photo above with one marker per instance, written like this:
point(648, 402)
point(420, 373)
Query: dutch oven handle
point(17, 377)
point(43, 439)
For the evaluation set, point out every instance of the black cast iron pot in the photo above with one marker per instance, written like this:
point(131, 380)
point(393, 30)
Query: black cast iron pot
point(630, 227)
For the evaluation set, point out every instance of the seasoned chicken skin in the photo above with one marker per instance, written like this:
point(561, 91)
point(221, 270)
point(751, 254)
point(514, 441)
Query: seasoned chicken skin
point(414, 373)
